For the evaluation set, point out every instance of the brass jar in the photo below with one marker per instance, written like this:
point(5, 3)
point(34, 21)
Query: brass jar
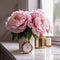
point(48, 42)
point(40, 42)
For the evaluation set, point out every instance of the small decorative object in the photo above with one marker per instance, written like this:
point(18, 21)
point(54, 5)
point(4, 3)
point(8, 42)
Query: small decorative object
point(48, 42)
point(40, 42)
point(27, 24)
point(37, 42)
point(27, 47)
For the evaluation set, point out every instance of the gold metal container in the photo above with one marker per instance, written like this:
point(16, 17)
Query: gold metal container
point(40, 42)
point(48, 42)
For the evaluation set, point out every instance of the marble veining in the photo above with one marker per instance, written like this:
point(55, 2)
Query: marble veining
point(52, 53)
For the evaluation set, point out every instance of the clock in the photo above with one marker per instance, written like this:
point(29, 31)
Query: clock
point(27, 47)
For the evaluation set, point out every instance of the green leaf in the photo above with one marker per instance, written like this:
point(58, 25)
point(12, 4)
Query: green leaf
point(13, 35)
point(20, 35)
point(29, 34)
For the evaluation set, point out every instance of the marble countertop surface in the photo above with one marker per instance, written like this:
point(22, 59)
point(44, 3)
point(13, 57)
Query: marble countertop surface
point(52, 53)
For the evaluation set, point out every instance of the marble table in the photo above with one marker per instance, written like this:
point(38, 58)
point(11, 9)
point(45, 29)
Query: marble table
point(12, 48)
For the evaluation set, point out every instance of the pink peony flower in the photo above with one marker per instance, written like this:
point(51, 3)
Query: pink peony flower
point(17, 22)
point(36, 20)
point(39, 23)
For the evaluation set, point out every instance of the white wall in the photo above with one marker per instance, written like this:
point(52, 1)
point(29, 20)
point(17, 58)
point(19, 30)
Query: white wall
point(32, 4)
point(28, 4)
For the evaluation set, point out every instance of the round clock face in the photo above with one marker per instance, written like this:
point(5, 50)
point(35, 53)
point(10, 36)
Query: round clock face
point(27, 47)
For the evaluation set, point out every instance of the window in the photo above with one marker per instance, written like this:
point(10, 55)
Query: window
point(57, 17)
point(52, 9)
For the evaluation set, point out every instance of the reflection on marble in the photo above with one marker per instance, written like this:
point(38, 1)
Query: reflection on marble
point(44, 54)
point(48, 54)
point(52, 53)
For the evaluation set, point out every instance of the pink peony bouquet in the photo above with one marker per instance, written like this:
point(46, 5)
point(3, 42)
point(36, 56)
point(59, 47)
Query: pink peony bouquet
point(25, 23)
